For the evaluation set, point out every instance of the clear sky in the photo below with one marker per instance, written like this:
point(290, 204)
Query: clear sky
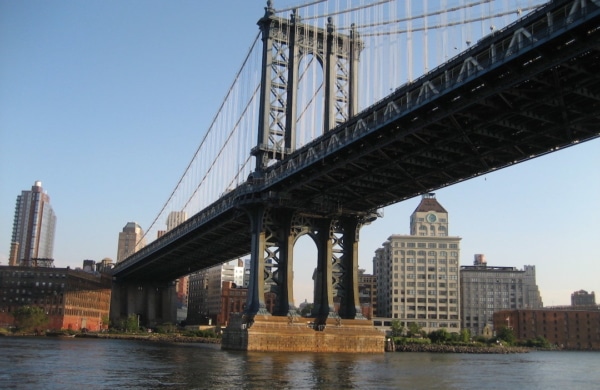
point(105, 102)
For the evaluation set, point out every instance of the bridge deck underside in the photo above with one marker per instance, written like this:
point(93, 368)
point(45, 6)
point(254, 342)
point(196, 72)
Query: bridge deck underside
point(536, 103)
point(531, 106)
point(218, 241)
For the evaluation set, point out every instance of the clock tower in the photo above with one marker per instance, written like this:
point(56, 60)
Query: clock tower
point(429, 218)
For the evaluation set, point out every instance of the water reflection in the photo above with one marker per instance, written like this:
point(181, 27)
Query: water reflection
point(46, 363)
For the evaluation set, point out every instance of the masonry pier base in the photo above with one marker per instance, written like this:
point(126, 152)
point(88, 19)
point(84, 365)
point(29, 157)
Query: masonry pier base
point(297, 334)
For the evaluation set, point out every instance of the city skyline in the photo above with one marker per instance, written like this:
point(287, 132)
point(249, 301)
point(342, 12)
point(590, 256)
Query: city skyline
point(106, 103)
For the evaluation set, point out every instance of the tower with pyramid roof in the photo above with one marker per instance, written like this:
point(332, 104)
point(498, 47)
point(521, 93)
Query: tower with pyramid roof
point(418, 274)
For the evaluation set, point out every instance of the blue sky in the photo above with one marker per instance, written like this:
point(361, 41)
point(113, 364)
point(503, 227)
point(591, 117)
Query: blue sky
point(106, 102)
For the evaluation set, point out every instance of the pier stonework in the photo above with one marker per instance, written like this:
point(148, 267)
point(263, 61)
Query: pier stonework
point(298, 334)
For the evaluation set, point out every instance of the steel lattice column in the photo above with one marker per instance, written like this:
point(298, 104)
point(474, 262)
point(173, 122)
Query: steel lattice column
point(323, 301)
point(347, 286)
point(285, 44)
point(274, 232)
point(255, 302)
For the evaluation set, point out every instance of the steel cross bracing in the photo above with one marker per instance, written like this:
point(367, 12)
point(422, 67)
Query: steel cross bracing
point(285, 44)
point(525, 91)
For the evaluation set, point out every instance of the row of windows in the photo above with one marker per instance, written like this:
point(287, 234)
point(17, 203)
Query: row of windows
point(422, 268)
point(429, 284)
point(423, 253)
point(443, 325)
point(32, 284)
point(423, 276)
point(424, 245)
point(442, 220)
point(429, 300)
point(30, 274)
point(428, 292)
point(421, 260)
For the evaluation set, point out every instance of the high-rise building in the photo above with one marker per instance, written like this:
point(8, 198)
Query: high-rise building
point(175, 218)
point(33, 228)
point(131, 239)
point(583, 298)
point(486, 289)
point(204, 300)
point(417, 274)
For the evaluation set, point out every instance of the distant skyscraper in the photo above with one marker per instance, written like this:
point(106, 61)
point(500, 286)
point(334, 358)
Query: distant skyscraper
point(417, 274)
point(33, 227)
point(131, 239)
point(175, 218)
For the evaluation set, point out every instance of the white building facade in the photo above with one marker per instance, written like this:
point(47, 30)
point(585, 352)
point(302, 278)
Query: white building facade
point(486, 289)
point(418, 274)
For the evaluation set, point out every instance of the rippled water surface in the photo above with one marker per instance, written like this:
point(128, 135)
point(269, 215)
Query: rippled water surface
point(73, 363)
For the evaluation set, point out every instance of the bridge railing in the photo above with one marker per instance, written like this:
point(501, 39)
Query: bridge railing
point(490, 52)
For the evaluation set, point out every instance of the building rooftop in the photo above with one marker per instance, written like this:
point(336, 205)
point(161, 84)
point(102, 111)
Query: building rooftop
point(430, 203)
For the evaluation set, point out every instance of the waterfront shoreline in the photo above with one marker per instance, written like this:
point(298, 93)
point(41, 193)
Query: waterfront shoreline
point(178, 338)
point(441, 348)
point(156, 337)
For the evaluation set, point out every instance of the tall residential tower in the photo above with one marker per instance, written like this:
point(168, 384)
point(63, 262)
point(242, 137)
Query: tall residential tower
point(131, 239)
point(33, 228)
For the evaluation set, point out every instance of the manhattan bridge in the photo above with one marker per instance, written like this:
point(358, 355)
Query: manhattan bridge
point(343, 107)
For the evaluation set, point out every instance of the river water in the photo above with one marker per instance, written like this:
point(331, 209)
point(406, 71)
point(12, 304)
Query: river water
point(75, 363)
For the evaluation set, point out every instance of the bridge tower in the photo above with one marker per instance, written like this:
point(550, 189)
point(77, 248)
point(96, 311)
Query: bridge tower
point(276, 225)
point(286, 42)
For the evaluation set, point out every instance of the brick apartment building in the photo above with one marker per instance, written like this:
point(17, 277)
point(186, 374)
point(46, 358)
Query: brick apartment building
point(72, 299)
point(566, 327)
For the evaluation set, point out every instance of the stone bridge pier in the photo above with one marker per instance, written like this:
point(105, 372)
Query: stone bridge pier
point(336, 323)
point(153, 303)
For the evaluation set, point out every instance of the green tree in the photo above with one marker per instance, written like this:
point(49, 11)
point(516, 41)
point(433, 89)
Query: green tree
point(397, 328)
point(506, 334)
point(414, 329)
point(439, 336)
point(105, 320)
point(131, 324)
point(307, 310)
point(538, 342)
point(28, 318)
point(465, 335)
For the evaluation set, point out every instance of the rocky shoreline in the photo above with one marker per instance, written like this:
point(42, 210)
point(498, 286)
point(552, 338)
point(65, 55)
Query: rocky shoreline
point(178, 338)
point(439, 348)
point(168, 338)
point(434, 348)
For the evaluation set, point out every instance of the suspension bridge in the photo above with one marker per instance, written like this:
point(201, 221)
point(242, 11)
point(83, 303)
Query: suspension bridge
point(341, 108)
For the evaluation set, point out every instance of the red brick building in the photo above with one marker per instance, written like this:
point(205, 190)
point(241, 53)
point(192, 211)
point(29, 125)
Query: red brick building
point(567, 327)
point(233, 300)
point(72, 299)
